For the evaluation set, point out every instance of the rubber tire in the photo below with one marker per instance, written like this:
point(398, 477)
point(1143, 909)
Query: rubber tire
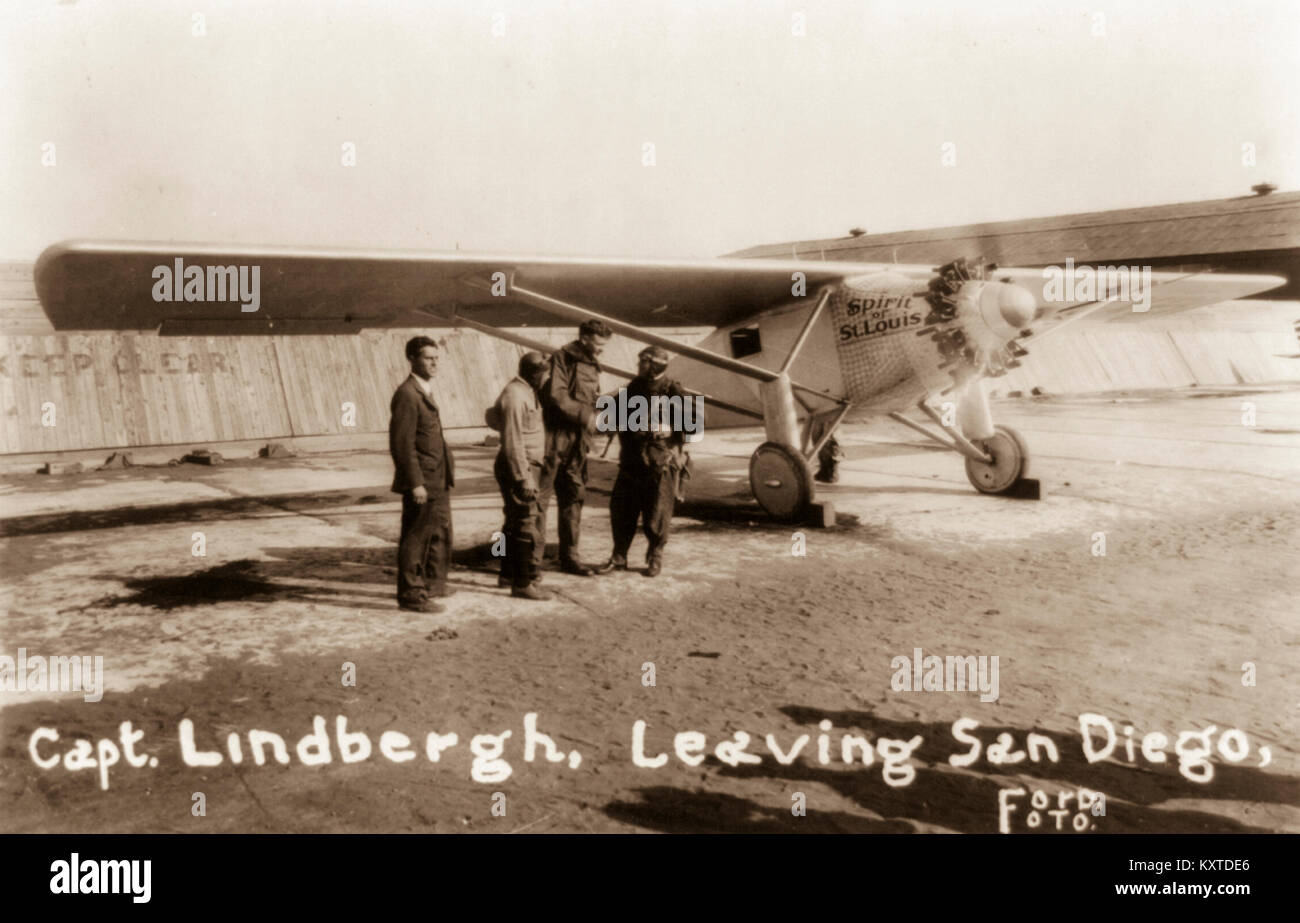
point(789, 501)
point(1010, 462)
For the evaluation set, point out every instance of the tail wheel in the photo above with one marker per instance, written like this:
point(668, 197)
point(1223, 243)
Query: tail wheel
point(1009, 465)
point(781, 480)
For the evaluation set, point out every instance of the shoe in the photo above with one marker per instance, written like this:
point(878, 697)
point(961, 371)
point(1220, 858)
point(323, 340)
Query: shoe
point(653, 567)
point(427, 606)
point(577, 569)
point(529, 592)
point(615, 562)
point(442, 593)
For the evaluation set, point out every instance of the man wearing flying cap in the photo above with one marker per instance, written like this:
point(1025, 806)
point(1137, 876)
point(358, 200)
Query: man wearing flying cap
point(650, 459)
point(517, 415)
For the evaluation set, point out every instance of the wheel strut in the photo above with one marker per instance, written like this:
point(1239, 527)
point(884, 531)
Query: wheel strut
point(957, 443)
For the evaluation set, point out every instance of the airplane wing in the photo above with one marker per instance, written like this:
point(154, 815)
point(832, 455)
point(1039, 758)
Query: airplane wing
point(90, 285)
point(1169, 293)
point(95, 285)
point(1178, 293)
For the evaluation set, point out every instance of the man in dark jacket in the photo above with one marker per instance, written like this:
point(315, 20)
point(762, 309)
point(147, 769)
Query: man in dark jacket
point(569, 405)
point(424, 478)
point(651, 457)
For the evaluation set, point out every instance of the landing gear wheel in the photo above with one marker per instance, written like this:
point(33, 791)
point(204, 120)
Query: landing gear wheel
point(1010, 462)
point(781, 480)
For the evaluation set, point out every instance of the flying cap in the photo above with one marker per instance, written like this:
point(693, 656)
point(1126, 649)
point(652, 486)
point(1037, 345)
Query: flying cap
point(530, 362)
point(656, 354)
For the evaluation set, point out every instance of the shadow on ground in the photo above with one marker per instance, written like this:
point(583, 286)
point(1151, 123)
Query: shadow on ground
point(209, 510)
point(675, 810)
point(288, 576)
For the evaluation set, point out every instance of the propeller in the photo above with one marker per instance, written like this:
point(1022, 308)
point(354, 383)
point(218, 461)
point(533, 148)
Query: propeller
point(975, 320)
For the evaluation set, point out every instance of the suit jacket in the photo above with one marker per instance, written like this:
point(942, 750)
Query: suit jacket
point(420, 453)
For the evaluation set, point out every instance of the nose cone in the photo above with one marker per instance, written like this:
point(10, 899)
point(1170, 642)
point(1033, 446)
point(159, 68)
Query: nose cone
point(1016, 305)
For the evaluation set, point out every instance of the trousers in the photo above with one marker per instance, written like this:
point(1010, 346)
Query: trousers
point(644, 493)
point(424, 550)
point(522, 540)
point(565, 477)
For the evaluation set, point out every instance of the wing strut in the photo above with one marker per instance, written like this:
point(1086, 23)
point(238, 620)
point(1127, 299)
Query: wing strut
point(807, 327)
point(547, 349)
point(574, 312)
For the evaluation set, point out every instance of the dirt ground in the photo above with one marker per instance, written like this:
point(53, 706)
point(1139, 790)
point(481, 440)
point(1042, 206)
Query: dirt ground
point(1188, 620)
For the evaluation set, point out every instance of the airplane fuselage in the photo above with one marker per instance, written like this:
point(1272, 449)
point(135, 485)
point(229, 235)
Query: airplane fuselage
point(890, 346)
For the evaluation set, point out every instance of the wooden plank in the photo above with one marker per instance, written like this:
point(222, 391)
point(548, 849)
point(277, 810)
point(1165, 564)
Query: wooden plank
point(110, 393)
point(10, 437)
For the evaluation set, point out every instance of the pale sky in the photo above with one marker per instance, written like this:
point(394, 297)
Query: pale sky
point(533, 140)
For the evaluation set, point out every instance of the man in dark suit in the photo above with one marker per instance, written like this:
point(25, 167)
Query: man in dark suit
point(424, 478)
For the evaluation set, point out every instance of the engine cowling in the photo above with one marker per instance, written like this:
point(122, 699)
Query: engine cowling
point(975, 321)
point(896, 344)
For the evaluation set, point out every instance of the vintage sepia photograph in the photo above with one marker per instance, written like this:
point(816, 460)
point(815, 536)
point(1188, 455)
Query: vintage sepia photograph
point(718, 417)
